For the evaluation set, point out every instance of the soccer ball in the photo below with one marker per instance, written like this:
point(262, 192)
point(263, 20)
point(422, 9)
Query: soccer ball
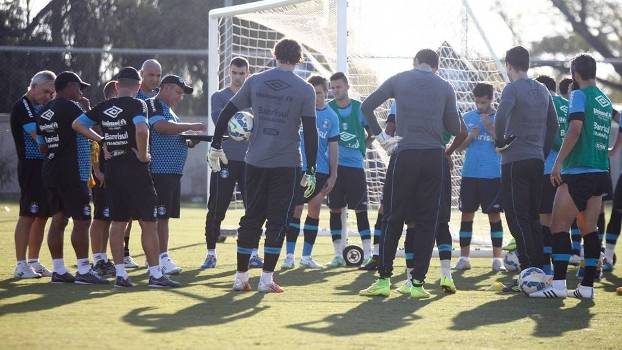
point(511, 261)
point(531, 280)
point(240, 126)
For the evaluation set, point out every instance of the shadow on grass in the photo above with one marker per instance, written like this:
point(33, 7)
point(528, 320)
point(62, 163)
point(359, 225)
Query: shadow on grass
point(207, 312)
point(551, 319)
point(387, 314)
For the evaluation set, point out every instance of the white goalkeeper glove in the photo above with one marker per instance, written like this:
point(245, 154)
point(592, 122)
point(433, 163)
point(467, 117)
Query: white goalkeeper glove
point(214, 157)
point(389, 143)
point(308, 181)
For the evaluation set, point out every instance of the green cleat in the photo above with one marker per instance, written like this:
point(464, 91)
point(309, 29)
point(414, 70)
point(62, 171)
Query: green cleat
point(382, 287)
point(405, 287)
point(337, 261)
point(418, 292)
point(511, 246)
point(448, 285)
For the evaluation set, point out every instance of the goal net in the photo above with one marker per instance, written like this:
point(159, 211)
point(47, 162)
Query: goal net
point(370, 40)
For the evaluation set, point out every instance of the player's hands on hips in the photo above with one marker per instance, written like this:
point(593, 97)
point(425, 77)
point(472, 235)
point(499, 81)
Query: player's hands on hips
point(214, 157)
point(328, 186)
point(389, 143)
point(308, 181)
point(556, 175)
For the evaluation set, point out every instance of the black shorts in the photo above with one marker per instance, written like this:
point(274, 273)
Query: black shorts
point(548, 195)
point(609, 195)
point(33, 198)
point(350, 189)
point(484, 193)
point(101, 207)
point(320, 181)
point(129, 189)
point(168, 189)
point(582, 187)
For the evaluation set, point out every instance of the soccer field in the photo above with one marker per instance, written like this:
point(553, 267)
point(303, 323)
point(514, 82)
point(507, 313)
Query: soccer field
point(319, 309)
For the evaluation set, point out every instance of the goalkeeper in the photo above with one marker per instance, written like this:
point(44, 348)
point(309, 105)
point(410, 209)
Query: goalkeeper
point(281, 101)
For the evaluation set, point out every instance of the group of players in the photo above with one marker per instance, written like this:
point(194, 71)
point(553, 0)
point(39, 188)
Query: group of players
point(136, 156)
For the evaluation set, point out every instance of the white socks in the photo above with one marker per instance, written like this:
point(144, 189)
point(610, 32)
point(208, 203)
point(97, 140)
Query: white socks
point(211, 252)
point(121, 271)
point(155, 272)
point(559, 284)
point(409, 270)
point(609, 250)
point(58, 266)
point(84, 266)
point(241, 276)
point(376, 249)
point(163, 257)
point(446, 268)
point(337, 247)
point(266, 277)
point(367, 248)
point(99, 256)
point(254, 252)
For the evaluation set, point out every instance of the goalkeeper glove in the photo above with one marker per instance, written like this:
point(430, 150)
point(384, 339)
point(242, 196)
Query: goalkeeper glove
point(214, 157)
point(308, 181)
point(505, 143)
point(389, 143)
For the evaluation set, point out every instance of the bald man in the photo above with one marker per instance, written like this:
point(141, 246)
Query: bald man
point(151, 73)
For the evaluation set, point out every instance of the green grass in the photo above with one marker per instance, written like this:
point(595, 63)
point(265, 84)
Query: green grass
point(320, 309)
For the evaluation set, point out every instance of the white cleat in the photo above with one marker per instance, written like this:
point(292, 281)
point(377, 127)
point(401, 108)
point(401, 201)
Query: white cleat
point(289, 263)
point(25, 271)
point(40, 269)
point(241, 286)
point(550, 293)
point(309, 263)
point(129, 263)
point(463, 264)
point(269, 287)
point(582, 292)
point(169, 267)
point(497, 265)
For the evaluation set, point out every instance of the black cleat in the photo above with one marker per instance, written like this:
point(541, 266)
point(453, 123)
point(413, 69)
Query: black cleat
point(123, 282)
point(64, 278)
point(110, 270)
point(372, 264)
point(511, 287)
point(90, 277)
point(162, 282)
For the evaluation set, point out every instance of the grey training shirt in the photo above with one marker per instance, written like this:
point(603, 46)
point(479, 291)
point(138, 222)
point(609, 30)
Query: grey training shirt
point(279, 99)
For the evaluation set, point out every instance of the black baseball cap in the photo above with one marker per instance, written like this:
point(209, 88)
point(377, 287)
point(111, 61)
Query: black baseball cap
point(68, 77)
point(128, 73)
point(173, 79)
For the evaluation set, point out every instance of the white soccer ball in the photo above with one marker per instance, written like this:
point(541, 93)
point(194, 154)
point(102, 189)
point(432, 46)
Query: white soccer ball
point(532, 279)
point(511, 261)
point(241, 126)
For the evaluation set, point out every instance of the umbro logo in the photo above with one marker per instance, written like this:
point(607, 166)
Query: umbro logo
point(603, 101)
point(47, 115)
point(346, 136)
point(564, 109)
point(276, 85)
point(113, 112)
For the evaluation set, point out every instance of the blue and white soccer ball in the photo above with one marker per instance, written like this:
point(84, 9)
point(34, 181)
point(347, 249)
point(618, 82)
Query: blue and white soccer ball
point(241, 126)
point(511, 261)
point(532, 279)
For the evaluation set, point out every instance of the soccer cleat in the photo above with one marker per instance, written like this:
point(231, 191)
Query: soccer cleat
point(382, 287)
point(64, 278)
point(209, 263)
point(40, 269)
point(463, 264)
point(337, 261)
point(104, 268)
point(582, 292)
point(255, 262)
point(25, 271)
point(123, 282)
point(309, 263)
point(289, 263)
point(370, 264)
point(497, 265)
point(405, 287)
point(448, 285)
point(162, 282)
point(110, 269)
point(168, 267)
point(511, 287)
point(550, 293)
point(241, 286)
point(91, 277)
point(418, 292)
point(129, 263)
point(575, 260)
point(269, 287)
